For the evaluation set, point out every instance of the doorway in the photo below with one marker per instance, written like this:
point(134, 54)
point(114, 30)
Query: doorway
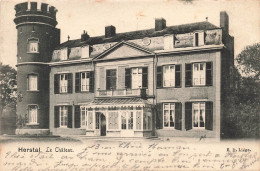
point(103, 125)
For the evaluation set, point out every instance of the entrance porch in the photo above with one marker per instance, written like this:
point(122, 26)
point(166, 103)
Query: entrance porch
point(124, 117)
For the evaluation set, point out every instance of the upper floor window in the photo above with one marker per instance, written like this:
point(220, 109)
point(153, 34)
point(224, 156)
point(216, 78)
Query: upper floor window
point(198, 39)
point(199, 115)
point(111, 79)
point(198, 74)
point(136, 77)
point(168, 41)
point(84, 81)
point(32, 114)
point(169, 76)
point(33, 45)
point(63, 83)
point(64, 54)
point(85, 52)
point(33, 82)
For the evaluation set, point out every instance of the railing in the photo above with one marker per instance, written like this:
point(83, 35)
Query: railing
point(122, 92)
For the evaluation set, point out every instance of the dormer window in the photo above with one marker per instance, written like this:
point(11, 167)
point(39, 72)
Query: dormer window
point(33, 46)
point(168, 42)
point(85, 52)
point(64, 54)
point(198, 39)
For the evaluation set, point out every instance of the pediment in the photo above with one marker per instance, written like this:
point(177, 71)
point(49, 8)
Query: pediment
point(124, 50)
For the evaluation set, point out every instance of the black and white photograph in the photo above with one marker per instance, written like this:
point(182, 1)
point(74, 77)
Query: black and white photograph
point(129, 85)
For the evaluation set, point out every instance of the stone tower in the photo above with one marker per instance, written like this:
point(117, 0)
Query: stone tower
point(36, 39)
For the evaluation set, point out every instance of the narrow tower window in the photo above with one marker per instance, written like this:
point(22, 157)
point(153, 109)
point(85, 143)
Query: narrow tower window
point(33, 46)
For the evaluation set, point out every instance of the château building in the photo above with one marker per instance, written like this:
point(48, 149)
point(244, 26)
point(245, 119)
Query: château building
point(165, 81)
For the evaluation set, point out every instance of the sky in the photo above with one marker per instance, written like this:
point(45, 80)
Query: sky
point(74, 16)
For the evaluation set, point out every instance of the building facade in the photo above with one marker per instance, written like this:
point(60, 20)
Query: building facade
point(165, 81)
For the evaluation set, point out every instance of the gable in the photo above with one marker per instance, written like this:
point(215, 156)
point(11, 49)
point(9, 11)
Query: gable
point(124, 51)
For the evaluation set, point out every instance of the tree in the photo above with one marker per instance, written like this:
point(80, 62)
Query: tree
point(249, 61)
point(8, 87)
point(242, 114)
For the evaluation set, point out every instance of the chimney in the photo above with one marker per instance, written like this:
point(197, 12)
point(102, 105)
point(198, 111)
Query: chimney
point(224, 22)
point(160, 24)
point(110, 31)
point(84, 36)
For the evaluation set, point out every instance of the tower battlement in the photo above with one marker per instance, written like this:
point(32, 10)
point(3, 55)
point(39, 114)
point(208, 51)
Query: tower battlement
point(35, 12)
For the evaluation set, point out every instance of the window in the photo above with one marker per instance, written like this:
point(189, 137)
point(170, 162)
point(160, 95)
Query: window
point(111, 79)
point(168, 42)
point(33, 82)
point(64, 54)
point(90, 119)
point(33, 110)
point(33, 46)
point(83, 118)
point(198, 39)
point(138, 120)
point(113, 120)
point(136, 78)
point(147, 125)
point(169, 76)
point(85, 52)
point(84, 81)
point(198, 74)
point(168, 115)
point(198, 115)
point(63, 83)
point(63, 116)
point(127, 120)
point(97, 120)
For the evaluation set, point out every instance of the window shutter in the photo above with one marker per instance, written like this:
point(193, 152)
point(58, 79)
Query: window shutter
point(56, 83)
point(91, 81)
point(159, 77)
point(209, 116)
point(188, 75)
point(159, 116)
point(188, 115)
point(70, 83)
point(77, 116)
point(145, 77)
point(77, 82)
point(56, 117)
point(177, 75)
point(128, 78)
point(208, 73)
point(178, 116)
point(108, 80)
point(69, 117)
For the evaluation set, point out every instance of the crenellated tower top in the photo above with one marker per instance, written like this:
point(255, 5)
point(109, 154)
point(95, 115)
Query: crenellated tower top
point(35, 13)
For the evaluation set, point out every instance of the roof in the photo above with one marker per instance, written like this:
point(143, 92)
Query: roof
point(118, 102)
point(178, 29)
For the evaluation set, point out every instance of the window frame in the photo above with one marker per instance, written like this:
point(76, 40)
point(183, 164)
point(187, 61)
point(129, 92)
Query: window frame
point(139, 75)
point(66, 108)
point(36, 114)
point(87, 81)
point(109, 77)
point(163, 69)
point(60, 81)
point(86, 117)
point(204, 115)
point(29, 42)
point(169, 114)
point(28, 82)
point(205, 70)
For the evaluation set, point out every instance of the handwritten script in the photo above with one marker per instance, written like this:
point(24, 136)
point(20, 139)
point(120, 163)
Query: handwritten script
point(130, 155)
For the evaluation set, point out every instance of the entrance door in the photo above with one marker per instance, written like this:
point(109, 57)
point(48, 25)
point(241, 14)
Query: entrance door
point(103, 125)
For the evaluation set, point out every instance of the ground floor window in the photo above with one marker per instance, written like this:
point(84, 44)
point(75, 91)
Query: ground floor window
point(33, 110)
point(63, 115)
point(199, 115)
point(112, 120)
point(83, 119)
point(127, 120)
point(147, 121)
point(168, 115)
point(138, 120)
point(90, 119)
